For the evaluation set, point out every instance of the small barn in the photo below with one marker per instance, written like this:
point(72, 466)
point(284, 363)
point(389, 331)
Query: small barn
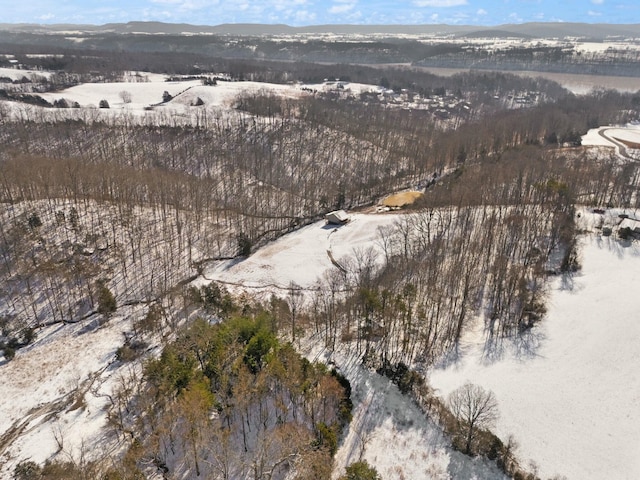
point(337, 217)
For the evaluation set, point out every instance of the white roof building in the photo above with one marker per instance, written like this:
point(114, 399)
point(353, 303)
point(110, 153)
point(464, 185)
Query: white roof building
point(337, 217)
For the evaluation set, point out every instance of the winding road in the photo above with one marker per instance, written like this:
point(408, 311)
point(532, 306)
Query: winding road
point(621, 148)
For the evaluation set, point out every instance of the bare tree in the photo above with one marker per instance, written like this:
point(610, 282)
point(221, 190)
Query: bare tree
point(475, 409)
point(125, 96)
point(295, 301)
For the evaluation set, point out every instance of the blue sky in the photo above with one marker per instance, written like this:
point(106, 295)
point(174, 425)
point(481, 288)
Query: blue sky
point(315, 12)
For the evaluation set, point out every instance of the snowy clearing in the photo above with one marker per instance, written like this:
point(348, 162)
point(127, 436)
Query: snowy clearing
point(15, 74)
point(145, 94)
point(600, 136)
point(301, 256)
point(570, 395)
point(623, 139)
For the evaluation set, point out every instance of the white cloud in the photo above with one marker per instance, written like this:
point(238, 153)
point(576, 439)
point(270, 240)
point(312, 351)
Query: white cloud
point(597, 2)
point(46, 16)
point(343, 6)
point(304, 16)
point(287, 4)
point(591, 13)
point(514, 17)
point(439, 3)
point(340, 9)
point(187, 5)
point(481, 11)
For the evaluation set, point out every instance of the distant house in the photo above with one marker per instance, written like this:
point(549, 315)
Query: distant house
point(629, 227)
point(337, 217)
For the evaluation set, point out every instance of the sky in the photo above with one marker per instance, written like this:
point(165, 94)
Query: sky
point(318, 12)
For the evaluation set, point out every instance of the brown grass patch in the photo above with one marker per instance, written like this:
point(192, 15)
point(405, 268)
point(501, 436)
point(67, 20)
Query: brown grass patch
point(402, 199)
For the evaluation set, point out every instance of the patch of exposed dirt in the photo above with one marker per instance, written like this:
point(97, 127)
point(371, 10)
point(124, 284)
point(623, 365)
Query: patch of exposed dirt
point(402, 199)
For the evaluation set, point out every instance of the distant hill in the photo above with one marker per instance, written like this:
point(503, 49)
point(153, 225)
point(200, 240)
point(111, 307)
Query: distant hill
point(593, 31)
point(536, 30)
point(495, 33)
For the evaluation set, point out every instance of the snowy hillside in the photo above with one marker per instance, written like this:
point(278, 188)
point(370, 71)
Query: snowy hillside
point(55, 393)
point(553, 386)
point(147, 98)
point(145, 94)
point(390, 432)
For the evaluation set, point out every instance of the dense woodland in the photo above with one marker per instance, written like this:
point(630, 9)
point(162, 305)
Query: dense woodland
point(101, 212)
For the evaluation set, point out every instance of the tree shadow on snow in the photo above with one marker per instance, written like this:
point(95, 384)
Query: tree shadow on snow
point(452, 358)
point(232, 263)
point(567, 282)
point(620, 247)
point(462, 466)
point(93, 323)
point(528, 343)
point(523, 346)
point(494, 349)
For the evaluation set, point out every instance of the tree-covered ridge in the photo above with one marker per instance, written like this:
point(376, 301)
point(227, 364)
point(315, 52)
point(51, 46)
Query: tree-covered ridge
point(141, 208)
point(229, 400)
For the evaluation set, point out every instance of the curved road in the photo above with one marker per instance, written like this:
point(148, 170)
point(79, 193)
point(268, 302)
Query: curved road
point(620, 147)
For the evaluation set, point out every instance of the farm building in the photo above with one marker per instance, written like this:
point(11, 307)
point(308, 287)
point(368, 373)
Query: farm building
point(337, 217)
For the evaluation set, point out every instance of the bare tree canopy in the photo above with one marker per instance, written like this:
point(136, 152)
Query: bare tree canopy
point(475, 409)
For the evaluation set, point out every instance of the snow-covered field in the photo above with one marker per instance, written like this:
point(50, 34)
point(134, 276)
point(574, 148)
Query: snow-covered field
point(143, 99)
point(622, 139)
point(15, 74)
point(302, 256)
point(600, 137)
point(150, 93)
point(570, 393)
